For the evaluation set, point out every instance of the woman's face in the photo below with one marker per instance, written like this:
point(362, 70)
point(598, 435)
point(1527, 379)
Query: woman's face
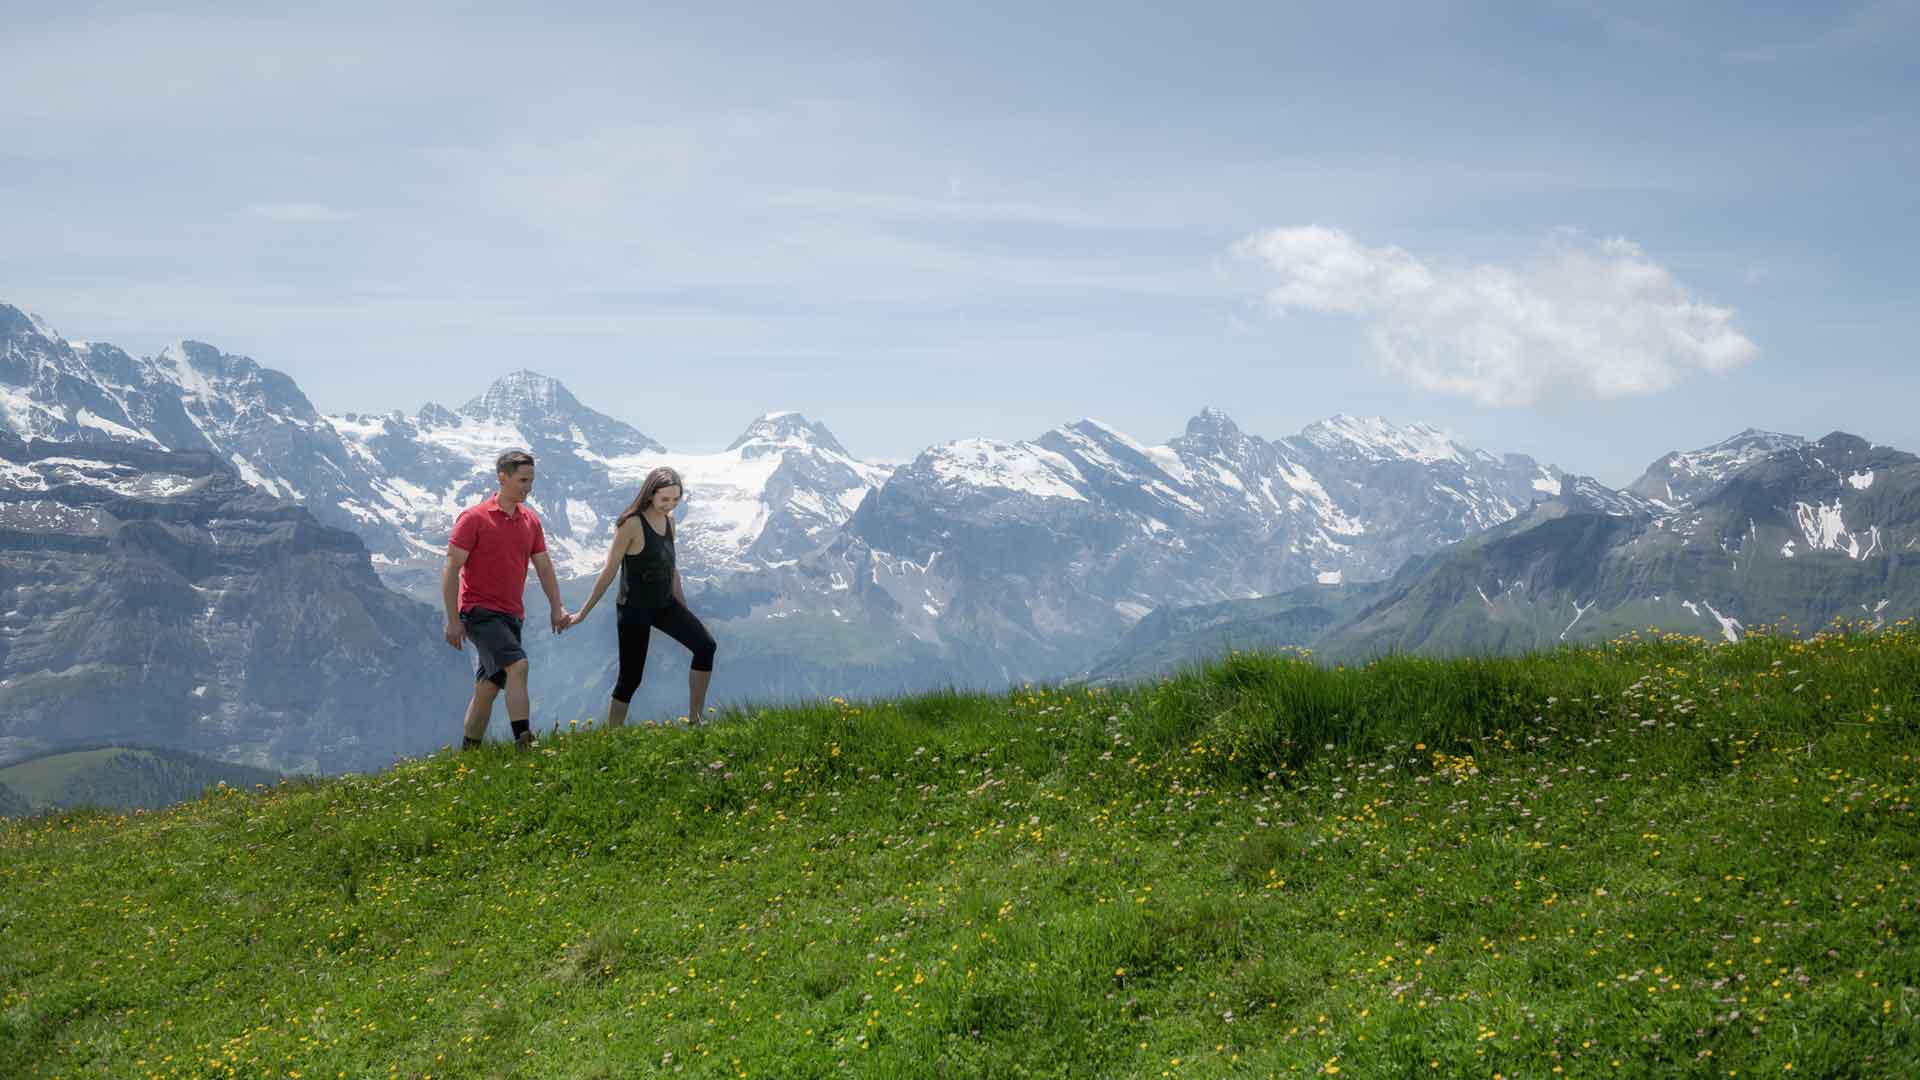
point(666, 498)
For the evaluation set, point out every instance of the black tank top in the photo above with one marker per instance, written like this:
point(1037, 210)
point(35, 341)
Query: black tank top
point(646, 579)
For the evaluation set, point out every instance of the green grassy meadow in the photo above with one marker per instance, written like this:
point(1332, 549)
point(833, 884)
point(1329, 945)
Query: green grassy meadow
point(43, 780)
point(1656, 857)
point(119, 777)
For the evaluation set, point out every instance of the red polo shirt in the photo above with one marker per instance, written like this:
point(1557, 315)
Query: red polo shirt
point(498, 547)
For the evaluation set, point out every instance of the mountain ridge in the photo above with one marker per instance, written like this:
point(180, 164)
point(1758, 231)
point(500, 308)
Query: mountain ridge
point(154, 597)
point(1005, 560)
point(1769, 529)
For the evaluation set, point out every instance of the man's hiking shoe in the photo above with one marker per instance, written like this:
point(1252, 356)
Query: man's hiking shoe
point(523, 741)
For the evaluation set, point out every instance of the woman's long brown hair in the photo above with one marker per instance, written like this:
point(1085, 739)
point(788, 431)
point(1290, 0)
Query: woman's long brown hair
point(657, 479)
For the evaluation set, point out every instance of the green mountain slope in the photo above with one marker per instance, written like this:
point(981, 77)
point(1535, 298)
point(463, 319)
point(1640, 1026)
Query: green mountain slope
point(1773, 530)
point(1814, 533)
point(1173, 638)
point(122, 778)
point(1649, 859)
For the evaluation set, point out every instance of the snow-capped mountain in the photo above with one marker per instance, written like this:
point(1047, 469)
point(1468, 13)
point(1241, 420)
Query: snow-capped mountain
point(1808, 531)
point(399, 481)
point(778, 492)
point(426, 468)
point(153, 597)
point(1801, 532)
point(1680, 477)
point(1021, 560)
point(189, 397)
point(976, 562)
point(193, 397)
point(774, 494)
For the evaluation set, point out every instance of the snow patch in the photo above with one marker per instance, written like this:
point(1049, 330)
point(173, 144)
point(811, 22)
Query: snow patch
point(1378, 438)
point(253, 476)
point(192, 383)
point(1729, 627)
point(1330, 577)
point(581, 519)
point(18, 408)
point(1302, 481)
point(77, 464)
point(1017, 467)
point(1577, 612)
point(1825, 530)
point(1861, 481)
point(475, 439)
point(20, 476)
point(85, 418)
point(1169, 462)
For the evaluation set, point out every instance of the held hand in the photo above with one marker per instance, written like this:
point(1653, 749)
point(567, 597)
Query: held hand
point(456, 633)
point(559, 619)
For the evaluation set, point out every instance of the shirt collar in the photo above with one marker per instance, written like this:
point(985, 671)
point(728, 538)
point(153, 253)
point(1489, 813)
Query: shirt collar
point(493, 504)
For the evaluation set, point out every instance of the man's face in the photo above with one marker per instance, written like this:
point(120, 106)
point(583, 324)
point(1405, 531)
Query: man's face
point(516, 485)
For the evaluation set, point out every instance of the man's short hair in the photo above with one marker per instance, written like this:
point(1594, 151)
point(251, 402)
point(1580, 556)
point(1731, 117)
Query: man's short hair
point(510, 462)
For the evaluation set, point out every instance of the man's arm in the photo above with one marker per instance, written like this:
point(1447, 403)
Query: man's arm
point(549, 584)
point(450, 594)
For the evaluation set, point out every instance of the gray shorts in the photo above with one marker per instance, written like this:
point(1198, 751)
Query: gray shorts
point(496, 637)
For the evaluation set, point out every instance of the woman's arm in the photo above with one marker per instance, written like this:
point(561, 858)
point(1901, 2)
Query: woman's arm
point(621, 538)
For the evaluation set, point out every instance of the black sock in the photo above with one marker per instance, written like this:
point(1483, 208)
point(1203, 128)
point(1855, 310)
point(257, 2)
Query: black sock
point(470, 743)
point(521, 727)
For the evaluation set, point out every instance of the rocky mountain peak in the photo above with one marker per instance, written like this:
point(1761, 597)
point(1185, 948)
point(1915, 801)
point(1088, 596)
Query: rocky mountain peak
point(435, 415)
point(1212, 433)
point(1844, 443)
point(1378, 438)
point(229, 383)
point(543, 410)
point(185, 354)
point(786, 430)
point(1104, 432)
point(1584, 494)
point(1682, 477)
point(1851, 455)
point(15, 323)
point(1213, 425)
point(520, 394)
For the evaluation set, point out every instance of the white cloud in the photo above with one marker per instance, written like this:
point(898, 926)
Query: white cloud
point(1584, 319)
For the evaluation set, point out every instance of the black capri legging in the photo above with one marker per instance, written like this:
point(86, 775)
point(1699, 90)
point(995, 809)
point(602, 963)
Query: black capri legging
point(636, 629)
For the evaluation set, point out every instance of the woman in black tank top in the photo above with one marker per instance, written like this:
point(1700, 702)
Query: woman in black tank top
point(642, 555)
point(646, 578)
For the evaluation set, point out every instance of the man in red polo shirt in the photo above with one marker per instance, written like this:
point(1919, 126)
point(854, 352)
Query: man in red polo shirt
point(486, 575)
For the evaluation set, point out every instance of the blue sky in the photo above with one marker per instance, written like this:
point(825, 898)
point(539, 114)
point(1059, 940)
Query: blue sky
point(1587, 232)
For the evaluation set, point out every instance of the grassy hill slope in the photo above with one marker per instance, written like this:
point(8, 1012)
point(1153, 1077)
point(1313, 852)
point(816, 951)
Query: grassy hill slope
point(1652, 858)
point(1172, 639)
point(120, 777)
